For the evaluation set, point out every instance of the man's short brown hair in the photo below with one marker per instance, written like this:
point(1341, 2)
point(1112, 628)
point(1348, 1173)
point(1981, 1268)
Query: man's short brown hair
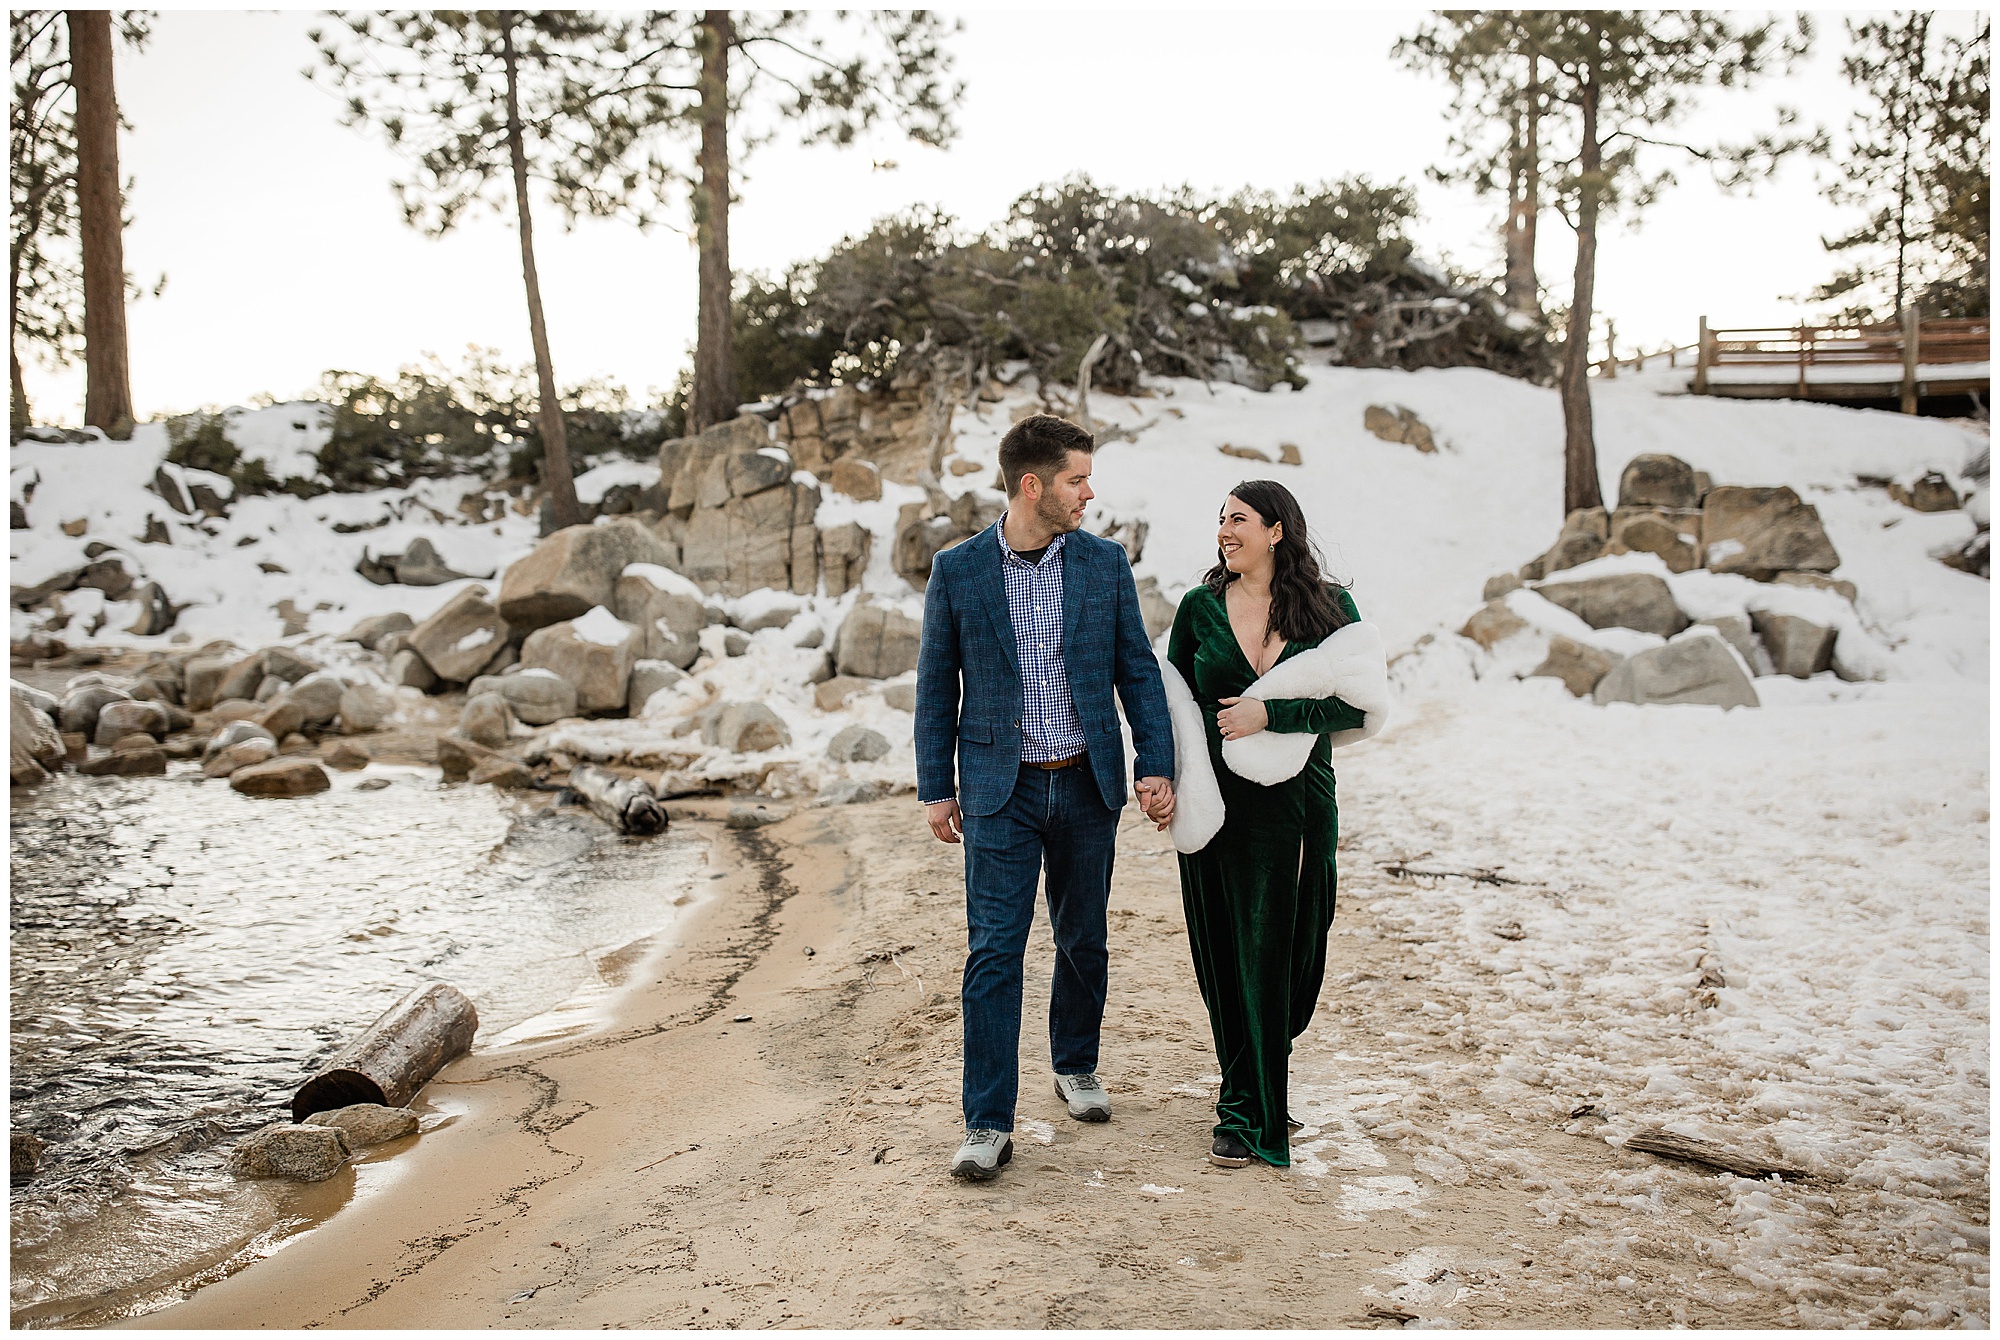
point(1040, 445)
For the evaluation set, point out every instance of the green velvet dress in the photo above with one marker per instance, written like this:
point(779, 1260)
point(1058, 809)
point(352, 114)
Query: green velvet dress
point(1259, 896)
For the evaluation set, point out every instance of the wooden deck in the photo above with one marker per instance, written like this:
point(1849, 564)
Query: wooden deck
point(1905, 362)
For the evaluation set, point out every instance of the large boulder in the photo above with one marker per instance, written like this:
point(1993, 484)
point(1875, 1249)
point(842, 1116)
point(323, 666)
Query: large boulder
point(648, 678)
point(685, 460)
point(1673, 534)
point(284, 777)
point(243, 754)
point(132, 717)
point(1760, 532)
point(744, 728)
point(1737, 632)
point(1696, 667)
point(367, 1123)
point(856, 478)
point(1623, 600)
point(81, 705)
point(573, 572)
point(764, 539)
point(1798, 647)
point(667, 607)
point(236, 732)
point(1658, 480)
point(362, 709)
point(537, 696)
point(317, 697)
point(843, 556)
point(241, 680)
point(594, 653)
point(299, 1152)
point(486, 719)
point(830, 695)
point(34, 745)
point(877, 642)
point(370, 631)
point(143, 762)
point(282, 663)
point(857, 744)
point(1585, 532)
point(1576, 664)
point(459, 640)
point(200, 680)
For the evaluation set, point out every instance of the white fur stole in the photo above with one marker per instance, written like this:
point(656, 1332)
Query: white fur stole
point(1348, 665)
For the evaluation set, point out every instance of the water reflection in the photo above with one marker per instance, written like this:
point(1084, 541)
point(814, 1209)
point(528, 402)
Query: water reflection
point(184, 956)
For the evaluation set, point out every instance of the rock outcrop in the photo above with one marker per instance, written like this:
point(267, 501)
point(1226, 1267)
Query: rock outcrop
point(573, 572)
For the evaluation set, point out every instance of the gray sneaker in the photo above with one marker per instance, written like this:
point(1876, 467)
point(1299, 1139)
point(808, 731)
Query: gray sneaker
point(980, 1158)
point(1086, 1098)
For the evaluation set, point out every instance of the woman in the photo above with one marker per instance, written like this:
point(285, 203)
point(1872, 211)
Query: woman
point(1275, 659)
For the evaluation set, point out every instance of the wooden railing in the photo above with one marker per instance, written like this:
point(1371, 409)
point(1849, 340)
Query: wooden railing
point(1799, 349)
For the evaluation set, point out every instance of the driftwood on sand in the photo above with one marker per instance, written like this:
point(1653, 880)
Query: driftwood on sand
point(1709, 1154)
point(625, 803)
point(396, 1056)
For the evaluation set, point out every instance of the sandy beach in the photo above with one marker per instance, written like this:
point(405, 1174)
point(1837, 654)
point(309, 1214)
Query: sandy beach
point(684, 1167)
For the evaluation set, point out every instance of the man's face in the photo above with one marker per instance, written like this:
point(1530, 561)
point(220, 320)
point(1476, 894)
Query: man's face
point(1063, 498)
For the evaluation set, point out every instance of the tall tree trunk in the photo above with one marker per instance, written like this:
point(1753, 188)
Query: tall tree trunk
point(1522, 292)
point(714, 397)
point(18, 416)
point(107, 394)
point(1580, 486)
point(557, 479)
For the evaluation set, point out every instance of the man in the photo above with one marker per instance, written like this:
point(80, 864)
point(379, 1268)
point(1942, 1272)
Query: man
point(1029, 626)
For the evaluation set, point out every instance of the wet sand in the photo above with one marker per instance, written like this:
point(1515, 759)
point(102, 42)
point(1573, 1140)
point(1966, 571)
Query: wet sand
point(682, 1167)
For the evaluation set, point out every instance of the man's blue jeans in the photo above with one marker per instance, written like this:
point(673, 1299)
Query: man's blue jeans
point(1055, 820)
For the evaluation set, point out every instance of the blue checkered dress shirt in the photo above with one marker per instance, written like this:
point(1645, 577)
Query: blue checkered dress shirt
point(1049, 725)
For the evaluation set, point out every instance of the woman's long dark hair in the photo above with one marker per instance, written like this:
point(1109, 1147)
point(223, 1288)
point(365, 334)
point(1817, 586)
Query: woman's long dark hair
point(1303, 606)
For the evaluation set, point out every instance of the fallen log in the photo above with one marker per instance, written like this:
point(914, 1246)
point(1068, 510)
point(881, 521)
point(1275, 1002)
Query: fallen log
point(625, 803)
point(1709, 1154)
point(396, 1056)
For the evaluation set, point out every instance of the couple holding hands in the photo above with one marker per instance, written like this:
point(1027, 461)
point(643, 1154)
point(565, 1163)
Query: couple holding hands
point(1030, 627)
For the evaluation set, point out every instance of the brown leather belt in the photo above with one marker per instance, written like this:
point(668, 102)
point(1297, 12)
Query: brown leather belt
point(1054, 764)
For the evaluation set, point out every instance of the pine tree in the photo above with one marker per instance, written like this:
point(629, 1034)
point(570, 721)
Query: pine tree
point(1614, 83)
point(485, 103)
point(45, 293)
point(1915, 159)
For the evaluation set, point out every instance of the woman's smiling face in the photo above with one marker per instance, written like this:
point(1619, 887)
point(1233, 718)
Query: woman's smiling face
point(1245, 541)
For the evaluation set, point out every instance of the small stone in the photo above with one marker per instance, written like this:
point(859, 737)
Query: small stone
point(367, 1124)
point(457, 756)
point(142, 762)
point(345, 755)
point(1819, 581)
point(832, 695)
point(735, 642)
point(236, 732)
point(118, 720)
point(1798, 646)
point(486, 720)
point(750, 816)
point(286, 664)
point(371, 784)
point(1492, 623)
point(408, 669)
point(303, 1153)
point(1497, 587)
point(858, 479)
point(82, 703)
point(24, 1153)
point(649, 678)
point(857, 744)
point(1288, 454)
point(362, 709)
point(370, 631)
point(1578, 666)
point(851, 791)
point(506, 773)
point(902, 697)
point(1658, 480)
point(281, 777)
point(745, 728)
point(1244, 453)
point(235, 709)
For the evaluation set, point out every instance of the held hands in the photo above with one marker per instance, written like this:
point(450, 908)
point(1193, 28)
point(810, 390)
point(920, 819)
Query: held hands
point(1156, 798)
point(1241, 716)
point(945, 820)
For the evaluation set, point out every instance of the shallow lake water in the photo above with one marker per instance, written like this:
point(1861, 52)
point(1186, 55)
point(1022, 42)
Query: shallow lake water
point(184, 957)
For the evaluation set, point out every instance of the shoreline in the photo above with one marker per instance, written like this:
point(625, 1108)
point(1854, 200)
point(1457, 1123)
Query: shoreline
point(682, 1168)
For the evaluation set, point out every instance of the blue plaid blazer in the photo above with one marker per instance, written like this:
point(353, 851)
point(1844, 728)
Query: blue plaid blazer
point(969, 695)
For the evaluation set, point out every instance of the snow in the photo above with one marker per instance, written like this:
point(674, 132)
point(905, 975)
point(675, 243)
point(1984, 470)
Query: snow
point(593, 484)
point(601, 627)
point(478, 637)
point(664, 579)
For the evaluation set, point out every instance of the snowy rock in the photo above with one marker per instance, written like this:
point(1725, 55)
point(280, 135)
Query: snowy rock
point(1657, 480)
point(157, 614)
point(301, 1153)
point(235, 709)
point(902, 697)
point(285, 777)
point(857, 744)
point(1622, 600)
point(1760, 532)
point(419, 565)
point(1585, 532)
point(742, 474)
point(1798, 647)
point(410, 671)
point(367, 1124)
point(200, 680)
point(486, 720)
point(317, 697)
point(648, 678)
point(831, 695)
point(765, 609)
point(458, 641)
point(132, 717)
point(575, 570)
point(1930, 492)
point(1497, 587)
point(843, 554)
point(1819, 581)
point(236, 732)
point(1696, 667)
point(142, 762)
point(270, 690)
point(242, 754)
point(1155, 610)
point(814, 636)
point(537, 697)
point(1398, 424)
point(672, 619)
point(765, 539)
point(344, 755)
point(1579, 667)
point(685, 460)
point(1493, 623)
point(362, 709)
point(284, 664)
point(1674, 535)
point(34, 746)
point(744, 728)
point(877, 642)
point(858, 479)
point(594, 653)
point(370, 631)
point(242, 679)
point(1736, 631)
point(735, 642)
point(46, 703)
point(81, 705)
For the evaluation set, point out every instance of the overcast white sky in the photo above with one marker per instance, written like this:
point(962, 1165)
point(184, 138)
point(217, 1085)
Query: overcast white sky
point(285, 253)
